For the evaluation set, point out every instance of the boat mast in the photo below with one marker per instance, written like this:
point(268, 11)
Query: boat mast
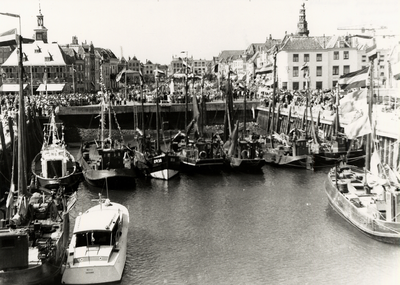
point(141, 100)
point(244, 111)
point(371, 94)
point(157, 116)
point(22, 175)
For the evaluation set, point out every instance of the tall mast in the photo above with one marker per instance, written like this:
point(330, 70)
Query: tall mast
point(371, 94)
point(157, 117)
point(22, 175)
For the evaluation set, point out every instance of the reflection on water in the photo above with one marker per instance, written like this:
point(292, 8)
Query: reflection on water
point(272, 228)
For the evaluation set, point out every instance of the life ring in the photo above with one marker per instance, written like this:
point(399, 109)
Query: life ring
point(202, 154)
point(244, 154)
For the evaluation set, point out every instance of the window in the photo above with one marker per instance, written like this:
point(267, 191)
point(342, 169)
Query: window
point(319, 70)
point(295, 57)
point(335, 55)
point(319, 56)
point(306, 57)
point(382, 74)
point(284, 85)
point(346, 54)
point(334, 83)
point(335, 70)
point(364, 58)
point(295, 71)
point(318, 84)
point(295, 85)
point(346, 69)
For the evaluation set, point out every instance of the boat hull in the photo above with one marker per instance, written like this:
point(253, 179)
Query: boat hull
point(113, 178)
point(329, 159)
point(299, 161)
point(209, 165)
point(246, 165)
point(380, 230)
point(164, 166)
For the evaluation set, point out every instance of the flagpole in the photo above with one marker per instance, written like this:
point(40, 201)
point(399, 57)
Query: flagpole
point(157, 118)
point(371, 94)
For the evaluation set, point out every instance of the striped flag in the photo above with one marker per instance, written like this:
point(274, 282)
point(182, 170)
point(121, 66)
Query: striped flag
point(119, 75)
point(354, 79)
point(8, 38)
point(353, 109)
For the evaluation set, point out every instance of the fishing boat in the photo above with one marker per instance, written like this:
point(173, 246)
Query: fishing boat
point(34, 235)
point(54, 165)
point(97, 251)
point(369, 197)
point(160, 164)
point(282, 150)
point(107, 158)
point(200, 154)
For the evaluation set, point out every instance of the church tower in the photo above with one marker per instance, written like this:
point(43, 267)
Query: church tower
point(40, 31)
point(302, 29)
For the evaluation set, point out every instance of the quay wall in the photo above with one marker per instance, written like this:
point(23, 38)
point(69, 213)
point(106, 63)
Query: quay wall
point(285, 119)
point(172, 114)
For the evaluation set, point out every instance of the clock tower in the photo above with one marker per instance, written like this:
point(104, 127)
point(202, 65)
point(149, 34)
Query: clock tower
point(40, 31)
point(302, 29)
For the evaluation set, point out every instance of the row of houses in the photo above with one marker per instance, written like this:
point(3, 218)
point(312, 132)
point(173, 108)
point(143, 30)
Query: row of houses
point(80, 68)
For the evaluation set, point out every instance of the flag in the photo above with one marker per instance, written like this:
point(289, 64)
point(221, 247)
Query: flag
point(353, 109)
point(45, 79)
point(172, 87)
point(306, 71)
point(141, 78)
point(119, 75)
point(196, 114)
point(158, 71)
point(234, 139)
point(371, 52)
point(8, 38)
point(354, 79)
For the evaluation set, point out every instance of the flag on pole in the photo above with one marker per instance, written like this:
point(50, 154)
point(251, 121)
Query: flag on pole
point(8, 38)
point(141, 78)
point(353, 109)
point(354, 79)
point(158, 71)
point(306, 70)
point(119, 75)
point(45, 79)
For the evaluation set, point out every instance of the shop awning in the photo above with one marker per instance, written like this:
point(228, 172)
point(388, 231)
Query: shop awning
point(11, 87)
point(51, 87)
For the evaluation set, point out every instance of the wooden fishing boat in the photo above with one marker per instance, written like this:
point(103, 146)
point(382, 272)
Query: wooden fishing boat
point(159, 164)
point(54, 165)
point(368, 198)
point(286, 153)
point(34, 235)
point(245, 155)
point(97, 251)
point(373, 210)
point(107, 159)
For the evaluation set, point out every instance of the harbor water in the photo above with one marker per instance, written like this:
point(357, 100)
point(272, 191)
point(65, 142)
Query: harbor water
point(275, 227)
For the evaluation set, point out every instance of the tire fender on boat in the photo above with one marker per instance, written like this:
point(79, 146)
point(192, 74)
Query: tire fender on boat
point(202, 154)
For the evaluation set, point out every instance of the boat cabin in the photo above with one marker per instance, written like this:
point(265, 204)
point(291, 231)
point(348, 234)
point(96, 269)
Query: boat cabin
point(98, 228)
point(55, 164)
point(13, 249)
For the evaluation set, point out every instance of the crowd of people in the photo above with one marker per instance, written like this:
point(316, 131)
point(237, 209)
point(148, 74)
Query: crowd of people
point(324, 100)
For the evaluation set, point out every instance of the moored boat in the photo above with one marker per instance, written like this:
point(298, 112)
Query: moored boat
point(107, 160)
point(373, 210)
point(97, 251)
point(54, 165)
point(34, 234)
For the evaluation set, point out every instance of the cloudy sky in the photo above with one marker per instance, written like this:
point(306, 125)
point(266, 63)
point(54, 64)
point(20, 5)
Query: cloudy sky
point(159, 29)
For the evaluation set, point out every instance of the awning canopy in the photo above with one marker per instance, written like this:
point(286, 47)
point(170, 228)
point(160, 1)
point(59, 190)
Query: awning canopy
point(11, 87)
point(51, 87)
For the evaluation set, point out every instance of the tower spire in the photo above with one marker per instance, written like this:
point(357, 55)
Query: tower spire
point(302, 26)
point(40, 31)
